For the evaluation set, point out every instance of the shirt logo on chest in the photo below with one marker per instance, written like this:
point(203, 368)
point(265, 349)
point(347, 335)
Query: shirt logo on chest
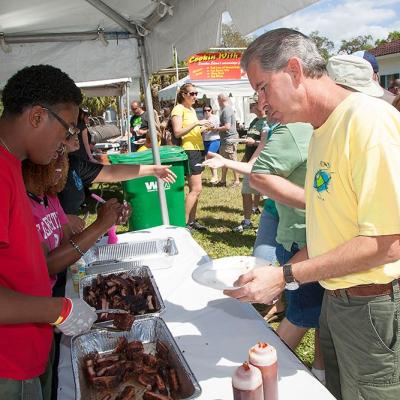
point(323, 179)
point(77, 180)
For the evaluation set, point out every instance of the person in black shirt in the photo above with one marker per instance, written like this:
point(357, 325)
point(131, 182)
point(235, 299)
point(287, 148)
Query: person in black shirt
point(82, 172)
point(139, 125)
point(83, 136)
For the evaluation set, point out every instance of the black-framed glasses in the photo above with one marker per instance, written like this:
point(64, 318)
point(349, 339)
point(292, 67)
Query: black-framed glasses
point(71, 129)
point(207, 109)
point(192, 93)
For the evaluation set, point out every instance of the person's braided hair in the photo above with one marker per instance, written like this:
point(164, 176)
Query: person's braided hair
point(39, 85)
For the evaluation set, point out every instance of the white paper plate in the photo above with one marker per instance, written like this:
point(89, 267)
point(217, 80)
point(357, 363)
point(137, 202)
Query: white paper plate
point(221, 273)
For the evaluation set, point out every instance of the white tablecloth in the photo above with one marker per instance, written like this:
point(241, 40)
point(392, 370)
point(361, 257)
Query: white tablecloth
point(213, 331)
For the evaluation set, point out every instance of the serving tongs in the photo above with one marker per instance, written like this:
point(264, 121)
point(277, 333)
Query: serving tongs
point(100, 325)
point(111, 311)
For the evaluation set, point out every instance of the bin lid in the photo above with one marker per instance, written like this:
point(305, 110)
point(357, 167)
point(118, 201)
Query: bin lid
point(168, 154)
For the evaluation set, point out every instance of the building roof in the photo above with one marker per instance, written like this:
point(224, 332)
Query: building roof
point(387, 48)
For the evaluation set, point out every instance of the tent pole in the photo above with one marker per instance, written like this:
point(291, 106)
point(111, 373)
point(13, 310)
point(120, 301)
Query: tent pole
point(177, 74)
point(121, 115)
point(128, 115)
point(152, 127)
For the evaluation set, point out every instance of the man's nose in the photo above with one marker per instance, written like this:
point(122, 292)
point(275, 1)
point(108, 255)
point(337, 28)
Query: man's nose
point(262, 103)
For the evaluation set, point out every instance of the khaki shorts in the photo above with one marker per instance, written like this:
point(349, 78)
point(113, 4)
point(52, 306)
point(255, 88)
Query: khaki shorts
point(246, 188)
point(229, 151)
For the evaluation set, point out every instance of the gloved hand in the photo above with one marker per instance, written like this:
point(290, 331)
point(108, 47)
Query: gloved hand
point(80, 318)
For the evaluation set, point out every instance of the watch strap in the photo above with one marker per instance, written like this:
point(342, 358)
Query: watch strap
point(288, 274)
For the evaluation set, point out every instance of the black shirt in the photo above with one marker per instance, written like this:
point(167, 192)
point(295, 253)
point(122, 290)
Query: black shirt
point(81, 173)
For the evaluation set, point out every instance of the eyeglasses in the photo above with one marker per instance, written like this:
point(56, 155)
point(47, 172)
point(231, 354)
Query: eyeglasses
point(207, 110)
point(192, 93)
point(71, 129)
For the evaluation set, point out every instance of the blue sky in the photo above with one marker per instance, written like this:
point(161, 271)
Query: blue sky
point(344, 19)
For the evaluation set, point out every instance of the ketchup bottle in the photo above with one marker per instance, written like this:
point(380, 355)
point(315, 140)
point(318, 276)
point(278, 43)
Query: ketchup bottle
point(263, 356)
point(247, 383)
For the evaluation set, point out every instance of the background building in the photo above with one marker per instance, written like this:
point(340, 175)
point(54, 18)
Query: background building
point(388, 56)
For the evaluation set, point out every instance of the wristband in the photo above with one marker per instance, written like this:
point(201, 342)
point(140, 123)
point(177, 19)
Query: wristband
point(76, 247)
point(65, 311)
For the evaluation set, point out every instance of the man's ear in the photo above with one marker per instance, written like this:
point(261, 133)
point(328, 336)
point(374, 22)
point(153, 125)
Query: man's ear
point(295, 69)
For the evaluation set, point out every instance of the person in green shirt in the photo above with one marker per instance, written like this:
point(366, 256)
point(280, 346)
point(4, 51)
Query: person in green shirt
point(250, 197)
point(285, 155)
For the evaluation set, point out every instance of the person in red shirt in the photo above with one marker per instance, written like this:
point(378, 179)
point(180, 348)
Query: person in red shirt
point(40, 111)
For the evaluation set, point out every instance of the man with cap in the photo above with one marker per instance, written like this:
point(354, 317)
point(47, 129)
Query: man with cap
point(366, 55)
point(354, 73)
point(353, 214)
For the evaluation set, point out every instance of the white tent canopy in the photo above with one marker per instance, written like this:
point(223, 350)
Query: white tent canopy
point(107, 87)
point(68, 34)
point(211, 89)
point(107, 39)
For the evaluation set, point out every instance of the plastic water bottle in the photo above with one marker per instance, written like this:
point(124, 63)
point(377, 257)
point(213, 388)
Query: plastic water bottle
point(78, 271)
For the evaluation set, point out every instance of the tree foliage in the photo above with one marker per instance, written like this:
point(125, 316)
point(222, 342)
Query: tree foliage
point(361, 42)
point(395, 35)
point(231, 37)
point(324, 45)
point(97, 105)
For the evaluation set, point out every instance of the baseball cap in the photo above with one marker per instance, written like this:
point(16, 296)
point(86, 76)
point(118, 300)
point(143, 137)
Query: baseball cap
point(366, 55)
point(355, 73)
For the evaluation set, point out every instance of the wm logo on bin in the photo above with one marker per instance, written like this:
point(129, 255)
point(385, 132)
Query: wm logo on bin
point(152, 186)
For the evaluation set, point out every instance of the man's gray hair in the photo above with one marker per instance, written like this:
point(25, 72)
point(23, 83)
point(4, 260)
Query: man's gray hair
point(273, 50)
point(223, 96)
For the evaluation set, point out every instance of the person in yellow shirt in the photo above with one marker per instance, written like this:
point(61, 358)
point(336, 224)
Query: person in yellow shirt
point(352, 214)
point(147, 144)
point(186, 126)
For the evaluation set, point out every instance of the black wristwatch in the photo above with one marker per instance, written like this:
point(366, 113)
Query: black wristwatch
point(291, 283)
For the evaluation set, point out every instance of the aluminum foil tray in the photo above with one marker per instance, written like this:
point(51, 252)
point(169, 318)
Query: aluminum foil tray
point(142, 271)
point(161, 251)
point(148, 330)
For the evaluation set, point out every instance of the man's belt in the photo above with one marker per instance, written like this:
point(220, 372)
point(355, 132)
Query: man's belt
point(372, 289)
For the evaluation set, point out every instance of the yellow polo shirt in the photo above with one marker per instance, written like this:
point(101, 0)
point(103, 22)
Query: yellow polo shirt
point(353, 182)
point(192, 140)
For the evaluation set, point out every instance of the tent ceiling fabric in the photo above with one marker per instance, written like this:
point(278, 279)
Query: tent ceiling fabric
point(194, 26)
point(83, 61)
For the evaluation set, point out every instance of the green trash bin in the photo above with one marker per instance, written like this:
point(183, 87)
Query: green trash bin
point(142, 193)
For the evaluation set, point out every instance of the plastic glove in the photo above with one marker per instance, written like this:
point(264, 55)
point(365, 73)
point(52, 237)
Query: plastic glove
point(80, 318)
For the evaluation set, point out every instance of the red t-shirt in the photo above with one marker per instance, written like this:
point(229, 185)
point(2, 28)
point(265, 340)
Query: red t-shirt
point(24, 348)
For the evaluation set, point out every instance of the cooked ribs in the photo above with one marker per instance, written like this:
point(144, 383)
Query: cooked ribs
point(123, 321)
point(127, 394)
point(155, 396)
point(123, 292)
point(128, 362)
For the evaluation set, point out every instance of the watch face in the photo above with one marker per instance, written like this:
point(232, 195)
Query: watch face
point(292, 286)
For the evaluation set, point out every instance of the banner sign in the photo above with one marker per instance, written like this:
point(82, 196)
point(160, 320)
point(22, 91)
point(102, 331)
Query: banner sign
point(215, 66)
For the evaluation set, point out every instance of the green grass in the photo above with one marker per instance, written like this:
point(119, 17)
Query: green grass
point(220, 209)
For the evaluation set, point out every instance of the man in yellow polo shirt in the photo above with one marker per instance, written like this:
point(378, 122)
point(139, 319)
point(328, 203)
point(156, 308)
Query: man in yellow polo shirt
point(352, 213)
